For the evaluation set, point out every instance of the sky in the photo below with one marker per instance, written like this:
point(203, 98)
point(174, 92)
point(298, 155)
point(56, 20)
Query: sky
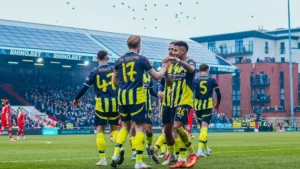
point(175, 19)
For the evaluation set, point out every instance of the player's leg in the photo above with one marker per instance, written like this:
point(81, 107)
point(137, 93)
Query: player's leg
point(205, 117)
point(181, 116)
point(139, 119)
point(113, 121)
point(118, 156)
point(163, 148)
point(22, 133)
point(3, 123)
point(161, 141)
point(101, 143)
point(160, 144)
point(190, 123)
point(149, 134)
point(177, 144)
point(170, 137)
point(10, 134)
point(132, 141)
point(18, 133)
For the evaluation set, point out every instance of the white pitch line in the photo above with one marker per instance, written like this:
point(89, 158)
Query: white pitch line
point(223, 152)
point(69, 159)
point(66, 159)
point(27, 161)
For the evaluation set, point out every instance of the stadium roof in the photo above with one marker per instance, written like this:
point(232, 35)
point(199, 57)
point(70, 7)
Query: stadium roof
point(38, 40)
point(241, 35)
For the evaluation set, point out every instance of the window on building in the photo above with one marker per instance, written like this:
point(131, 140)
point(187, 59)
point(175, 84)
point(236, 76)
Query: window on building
point(236, 95)
point(239, 46)
point(262, 91)
point(223, 49)
point(212, 46)
point(282, 94)
point(266, 47)
point(236, 111)
point(250, 46)
point(282, 48)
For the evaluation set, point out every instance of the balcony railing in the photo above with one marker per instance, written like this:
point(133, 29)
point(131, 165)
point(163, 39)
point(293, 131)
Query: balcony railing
point(263, 98)
point(260, 81)
point(297, 109)
point(234, 50)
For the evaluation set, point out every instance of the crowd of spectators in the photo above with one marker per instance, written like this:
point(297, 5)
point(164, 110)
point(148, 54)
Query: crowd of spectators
point(242, 60)
point(273, 109)
point(297, 108)
point(259, 78)
point(218, 118)
point(260, 96)
point(266, 59)
point(54, 97)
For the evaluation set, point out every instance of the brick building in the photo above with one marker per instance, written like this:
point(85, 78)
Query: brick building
point(263, 82)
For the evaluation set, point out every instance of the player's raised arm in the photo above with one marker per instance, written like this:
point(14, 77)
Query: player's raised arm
point(190, 66)
point(156, 75)
point(88, 82)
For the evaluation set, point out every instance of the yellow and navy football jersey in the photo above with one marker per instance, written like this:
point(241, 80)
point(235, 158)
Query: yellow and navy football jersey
point(182, 93)
point(105, 90)
point(148, 85)
point(203, 91)
point(166, 89)
point(130, 68)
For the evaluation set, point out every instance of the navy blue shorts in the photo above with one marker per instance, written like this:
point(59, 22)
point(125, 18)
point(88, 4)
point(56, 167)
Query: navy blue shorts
point(136, 113)
point(181, 113)
point(102, 119)
point(204, 115)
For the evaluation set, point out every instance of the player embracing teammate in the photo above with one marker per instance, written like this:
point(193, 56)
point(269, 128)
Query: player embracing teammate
point(179, 91)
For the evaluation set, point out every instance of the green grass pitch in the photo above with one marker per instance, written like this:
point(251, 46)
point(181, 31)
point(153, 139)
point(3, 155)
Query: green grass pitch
point(230, 151)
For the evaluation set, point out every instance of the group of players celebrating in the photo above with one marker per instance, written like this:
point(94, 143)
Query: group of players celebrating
point(6, 121)
point(125, 90)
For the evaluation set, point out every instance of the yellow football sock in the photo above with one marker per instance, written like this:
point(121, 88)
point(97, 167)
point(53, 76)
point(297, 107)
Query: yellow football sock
point(203, 137)
point(101, 144)
point(171, 149)
point(182, 149)
point(177, 140)
point(164, 148)
point(114, 135)
point(139, 145)
point(149, 141)
point(184, 136)
point(132, 141)
point(120, 140)
point(160, 141)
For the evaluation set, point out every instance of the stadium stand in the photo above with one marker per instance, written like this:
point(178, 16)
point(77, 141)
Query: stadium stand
point(50, 87)
point(30, 38)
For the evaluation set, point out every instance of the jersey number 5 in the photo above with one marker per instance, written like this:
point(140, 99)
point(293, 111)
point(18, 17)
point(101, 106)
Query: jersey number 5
point(130, 73)
point(203, 87)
